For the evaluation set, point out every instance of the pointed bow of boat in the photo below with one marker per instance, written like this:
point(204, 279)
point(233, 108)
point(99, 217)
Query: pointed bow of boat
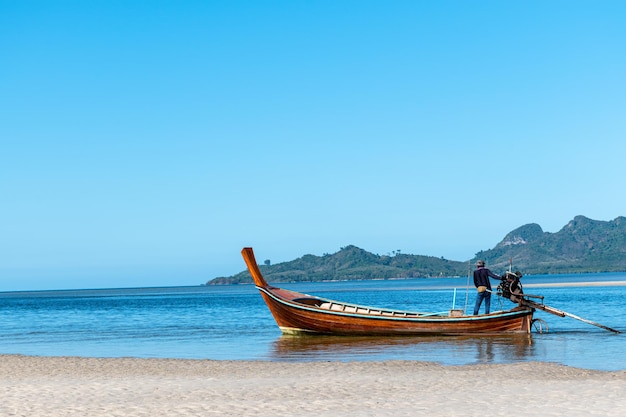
point(253, 267)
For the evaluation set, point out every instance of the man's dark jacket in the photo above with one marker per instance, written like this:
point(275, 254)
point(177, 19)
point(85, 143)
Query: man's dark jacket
point(481, 277)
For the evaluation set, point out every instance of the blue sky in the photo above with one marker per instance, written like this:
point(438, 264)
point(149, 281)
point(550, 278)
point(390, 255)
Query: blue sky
point(145, 143)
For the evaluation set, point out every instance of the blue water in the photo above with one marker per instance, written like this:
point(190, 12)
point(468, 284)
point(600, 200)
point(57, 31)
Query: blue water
point(232, 322)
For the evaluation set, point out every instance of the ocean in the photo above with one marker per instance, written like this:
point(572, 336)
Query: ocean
point(232, 323)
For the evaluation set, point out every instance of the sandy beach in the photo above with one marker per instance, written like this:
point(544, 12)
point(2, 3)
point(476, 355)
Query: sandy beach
point(565, 284)
point(68, 386)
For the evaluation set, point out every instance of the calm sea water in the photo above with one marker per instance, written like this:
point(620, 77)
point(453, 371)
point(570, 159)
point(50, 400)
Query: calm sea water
point(232, 322)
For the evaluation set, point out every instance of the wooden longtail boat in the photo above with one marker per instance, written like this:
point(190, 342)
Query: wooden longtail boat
point(297, 313)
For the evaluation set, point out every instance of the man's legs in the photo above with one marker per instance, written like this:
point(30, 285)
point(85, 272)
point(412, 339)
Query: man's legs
point(487, 296)
point(479, 300)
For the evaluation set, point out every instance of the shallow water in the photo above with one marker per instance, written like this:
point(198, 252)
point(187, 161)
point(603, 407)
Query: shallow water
point(232, 322)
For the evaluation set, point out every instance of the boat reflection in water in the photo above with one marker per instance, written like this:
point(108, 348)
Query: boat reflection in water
point(447, 350)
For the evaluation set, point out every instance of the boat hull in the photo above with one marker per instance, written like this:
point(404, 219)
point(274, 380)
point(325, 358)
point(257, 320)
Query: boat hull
point(297, 313)
point(294, 318)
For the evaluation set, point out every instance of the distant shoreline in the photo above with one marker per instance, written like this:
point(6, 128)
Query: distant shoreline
point(577, 284)
point(525, 283)
point(612, 283)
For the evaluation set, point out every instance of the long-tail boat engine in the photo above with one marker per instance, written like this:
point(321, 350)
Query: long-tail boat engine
point(511, 288)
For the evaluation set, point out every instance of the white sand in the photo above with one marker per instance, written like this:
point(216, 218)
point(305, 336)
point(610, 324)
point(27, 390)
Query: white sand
point(86, 387)
point(576, 284)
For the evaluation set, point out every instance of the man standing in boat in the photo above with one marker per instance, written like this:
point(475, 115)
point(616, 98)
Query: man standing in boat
point(483, 285)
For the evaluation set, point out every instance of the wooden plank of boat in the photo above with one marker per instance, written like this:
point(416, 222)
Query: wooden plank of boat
point(298, 313)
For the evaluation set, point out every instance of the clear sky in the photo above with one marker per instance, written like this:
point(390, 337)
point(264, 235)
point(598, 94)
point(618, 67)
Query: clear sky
point(144, 143)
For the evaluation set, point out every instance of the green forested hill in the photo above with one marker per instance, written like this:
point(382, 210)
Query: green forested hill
point(352, 263)
point(583, 245)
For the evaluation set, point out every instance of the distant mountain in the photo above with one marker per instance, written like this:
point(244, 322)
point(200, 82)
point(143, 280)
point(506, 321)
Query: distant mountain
point(583, 245)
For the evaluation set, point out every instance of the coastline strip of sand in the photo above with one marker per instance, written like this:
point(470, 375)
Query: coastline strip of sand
point(70, 386)
point(578, 284)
